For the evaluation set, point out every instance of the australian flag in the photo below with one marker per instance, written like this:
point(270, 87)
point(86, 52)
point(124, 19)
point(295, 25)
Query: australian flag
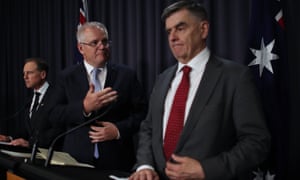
point(267, 60)
point(83, 17)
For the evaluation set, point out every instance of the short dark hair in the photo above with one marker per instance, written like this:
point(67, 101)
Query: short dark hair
point(40, 62)
point(194, 7)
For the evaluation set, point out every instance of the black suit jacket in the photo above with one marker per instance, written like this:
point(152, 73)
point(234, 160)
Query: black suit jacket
point(38, 127)
point(225, 129)
point(126, 113)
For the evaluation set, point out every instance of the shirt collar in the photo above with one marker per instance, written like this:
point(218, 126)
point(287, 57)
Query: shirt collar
point(89, 68)
point(198, 62)
point(43, 88)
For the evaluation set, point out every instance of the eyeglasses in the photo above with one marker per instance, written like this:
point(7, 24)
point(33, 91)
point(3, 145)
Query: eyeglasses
point(104, 42)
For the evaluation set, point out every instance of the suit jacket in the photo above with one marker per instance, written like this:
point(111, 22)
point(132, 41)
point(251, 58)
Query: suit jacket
point(225, 129)
point(126, 113)
point(38, 127)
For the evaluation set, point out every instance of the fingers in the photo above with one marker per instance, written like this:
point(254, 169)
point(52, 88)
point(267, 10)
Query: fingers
point(92, 88)
point(106, 131)
point(145, 174)
point(184, 168)
point(5, 138)
point(104, 98)
point(96, 100)
point(19, 142)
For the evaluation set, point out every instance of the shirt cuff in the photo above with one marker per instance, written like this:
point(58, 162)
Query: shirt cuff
point(144, 166)
point(118, 136)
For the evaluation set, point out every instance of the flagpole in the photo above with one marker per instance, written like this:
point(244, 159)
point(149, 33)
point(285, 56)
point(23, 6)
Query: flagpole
point(85, 8)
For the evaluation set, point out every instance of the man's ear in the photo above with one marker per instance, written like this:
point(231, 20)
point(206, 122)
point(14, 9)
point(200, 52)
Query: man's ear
point(204, 28)
point(43, 74)
point(79, 47)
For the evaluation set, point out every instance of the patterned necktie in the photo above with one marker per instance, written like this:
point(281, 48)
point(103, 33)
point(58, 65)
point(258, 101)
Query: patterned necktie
point(95, 80)
point(176, 118)
point(35, 104)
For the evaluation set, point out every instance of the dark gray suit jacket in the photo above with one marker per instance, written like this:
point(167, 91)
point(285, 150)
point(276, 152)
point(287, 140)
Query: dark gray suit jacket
point(225, 129)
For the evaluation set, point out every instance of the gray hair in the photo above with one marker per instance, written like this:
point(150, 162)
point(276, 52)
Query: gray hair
point(194, 7)
point(88, 25)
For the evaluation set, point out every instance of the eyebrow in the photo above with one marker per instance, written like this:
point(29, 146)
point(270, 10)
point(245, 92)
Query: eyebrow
point(177, 25)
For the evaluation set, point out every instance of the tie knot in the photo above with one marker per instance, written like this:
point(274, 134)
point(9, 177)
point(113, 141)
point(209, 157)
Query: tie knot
point(96, 71)
point(37, 94)
point(186, 69)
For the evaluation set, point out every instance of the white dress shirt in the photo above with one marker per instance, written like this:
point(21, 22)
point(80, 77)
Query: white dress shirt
point(101, 76)
point(197, 64)
point(42, 92)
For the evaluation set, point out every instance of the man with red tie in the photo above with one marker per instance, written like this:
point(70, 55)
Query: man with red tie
point(205, 119)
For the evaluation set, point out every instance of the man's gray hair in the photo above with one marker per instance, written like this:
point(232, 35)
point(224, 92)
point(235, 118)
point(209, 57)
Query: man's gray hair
point(194, 7)
point(87, 25)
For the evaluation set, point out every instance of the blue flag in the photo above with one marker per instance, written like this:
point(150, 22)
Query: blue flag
point(267, 59)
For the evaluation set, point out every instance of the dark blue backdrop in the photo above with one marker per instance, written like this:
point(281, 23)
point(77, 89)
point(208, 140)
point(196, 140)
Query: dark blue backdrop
point(47, 29)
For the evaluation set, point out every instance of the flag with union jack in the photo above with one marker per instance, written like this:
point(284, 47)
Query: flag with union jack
point(267, 59)
point(83, 17)
point(83, 12)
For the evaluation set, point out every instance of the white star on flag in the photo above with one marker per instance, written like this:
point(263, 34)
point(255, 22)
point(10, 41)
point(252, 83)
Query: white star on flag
point(269, 176)
point(264, 56)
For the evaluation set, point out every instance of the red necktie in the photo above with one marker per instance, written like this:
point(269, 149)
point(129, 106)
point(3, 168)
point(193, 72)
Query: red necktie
point(175, 122)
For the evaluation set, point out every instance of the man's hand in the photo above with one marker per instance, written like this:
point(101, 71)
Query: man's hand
point(19, 142)
point(4, 138)
point(103, 132)
point(96, 100)
point(184, 168)
point(144, 174)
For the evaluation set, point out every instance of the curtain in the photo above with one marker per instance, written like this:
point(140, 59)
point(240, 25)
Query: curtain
point(47, 29)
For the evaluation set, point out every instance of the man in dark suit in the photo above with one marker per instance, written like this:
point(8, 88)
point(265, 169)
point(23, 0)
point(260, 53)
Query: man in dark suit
point(224, 133)
point(36, 126)
point(113, 91)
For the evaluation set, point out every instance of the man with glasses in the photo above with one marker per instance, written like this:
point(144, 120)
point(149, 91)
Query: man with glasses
point(95, 87)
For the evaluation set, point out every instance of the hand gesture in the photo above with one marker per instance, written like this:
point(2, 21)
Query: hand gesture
point(103, 131)
point(144, 174)
point(96, 100)
point(184, 168)
point(20, 142)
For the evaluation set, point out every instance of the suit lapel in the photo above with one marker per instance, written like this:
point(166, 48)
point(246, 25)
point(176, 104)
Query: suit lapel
point(209, 81)
point(46, 96)
point(27, 112)
point(161, 90)
point(34, 120)
point(82, 81)
point(111, 76)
